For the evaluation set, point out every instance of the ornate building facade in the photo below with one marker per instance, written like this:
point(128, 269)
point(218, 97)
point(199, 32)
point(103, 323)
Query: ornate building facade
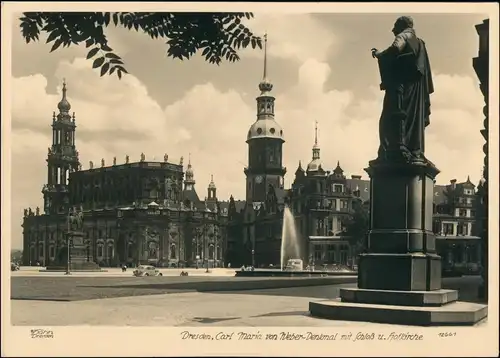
point(454, 223)
point(134, 213)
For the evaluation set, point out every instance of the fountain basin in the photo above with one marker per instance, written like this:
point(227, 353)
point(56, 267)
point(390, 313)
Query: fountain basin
point(297, 273)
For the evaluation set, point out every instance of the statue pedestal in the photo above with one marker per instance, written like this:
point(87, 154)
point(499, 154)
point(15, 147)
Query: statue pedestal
point(399, 278)
point(80, 257)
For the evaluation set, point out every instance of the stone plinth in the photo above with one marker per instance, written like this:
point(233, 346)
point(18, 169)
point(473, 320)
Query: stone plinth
point(399, 277)
point(80, 258)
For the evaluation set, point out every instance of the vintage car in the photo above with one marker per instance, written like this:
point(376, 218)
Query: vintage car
point(146, 270)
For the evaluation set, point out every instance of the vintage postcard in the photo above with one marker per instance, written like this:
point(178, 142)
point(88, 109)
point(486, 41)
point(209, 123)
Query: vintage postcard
point(249, 179)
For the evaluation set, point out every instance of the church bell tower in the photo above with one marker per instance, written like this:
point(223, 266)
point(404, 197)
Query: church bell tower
point(265, 142)
point(62, 158)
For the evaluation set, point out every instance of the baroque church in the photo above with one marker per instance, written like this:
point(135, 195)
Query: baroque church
point(142, 212)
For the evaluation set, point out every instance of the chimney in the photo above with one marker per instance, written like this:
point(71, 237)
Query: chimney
point(358, 177)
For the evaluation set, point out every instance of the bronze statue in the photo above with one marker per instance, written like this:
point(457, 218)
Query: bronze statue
point(407, 81)
point(127, 159)
point(114, 160)
point(37, 211)
point(143, 157)
point(91, 165)
point(75, 218)
point(165, 158)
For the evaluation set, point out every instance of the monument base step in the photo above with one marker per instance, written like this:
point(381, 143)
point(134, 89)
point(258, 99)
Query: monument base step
point(398, 298)
point(456, 314)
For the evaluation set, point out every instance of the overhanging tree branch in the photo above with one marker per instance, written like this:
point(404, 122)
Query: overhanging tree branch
point(217, 35)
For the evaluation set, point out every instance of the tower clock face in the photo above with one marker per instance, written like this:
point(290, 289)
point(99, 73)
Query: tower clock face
point(258, 179)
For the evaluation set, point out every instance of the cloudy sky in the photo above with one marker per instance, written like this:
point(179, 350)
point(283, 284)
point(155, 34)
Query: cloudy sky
point(320, 66)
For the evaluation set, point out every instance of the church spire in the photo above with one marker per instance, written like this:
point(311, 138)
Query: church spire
point(64, 105)
point(265, 85)
point(265, 102)
point(316, 149)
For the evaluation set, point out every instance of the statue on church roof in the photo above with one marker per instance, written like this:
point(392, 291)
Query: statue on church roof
point(182, 161)
point(143, 157)
point(91, 165)
point(165, 158)
point(114, 160)
point(127, 159)
point(102, 162)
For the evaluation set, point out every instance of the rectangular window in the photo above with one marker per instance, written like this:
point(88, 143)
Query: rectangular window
point(462, 212)
point(447, 229)
point(343, 204)
point(337, 188)
point(317, 252)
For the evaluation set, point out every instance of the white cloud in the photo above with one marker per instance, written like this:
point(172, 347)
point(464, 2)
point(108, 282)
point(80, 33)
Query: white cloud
point(295, 36)
point(116, 118)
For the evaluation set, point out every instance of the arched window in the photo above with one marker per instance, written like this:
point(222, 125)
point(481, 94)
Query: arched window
point(100, 251)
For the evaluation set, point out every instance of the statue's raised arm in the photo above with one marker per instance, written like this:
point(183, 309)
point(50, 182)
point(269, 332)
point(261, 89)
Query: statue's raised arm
point(406, 79)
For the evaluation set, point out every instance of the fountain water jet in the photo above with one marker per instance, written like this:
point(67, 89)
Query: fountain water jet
point(290, 245)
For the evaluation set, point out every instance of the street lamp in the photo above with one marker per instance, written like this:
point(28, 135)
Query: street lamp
point(68, 268)
point(253, 258)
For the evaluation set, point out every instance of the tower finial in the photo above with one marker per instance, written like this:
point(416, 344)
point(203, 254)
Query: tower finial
point(265, 57)
point(64, 105)
point(189, 158)
point(316, 133)
point(265, 86)
point(212, 178)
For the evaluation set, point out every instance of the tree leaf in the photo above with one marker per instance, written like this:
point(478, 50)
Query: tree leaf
point(89, 42)
point(112, 70)
point(231, 27)
point(205, 51)
point(106, 48)
point(56, 45)
point(112, 55)
point(122, 69)
point(119, 73)
point(115, 18)
point(246, 42)
point(116, 61)
point(104, 68)
point(98, 62)
point(92, 53)
point(53, 35)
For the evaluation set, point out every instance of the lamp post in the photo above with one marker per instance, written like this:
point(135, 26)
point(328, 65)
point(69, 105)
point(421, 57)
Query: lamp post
point(68, 267)
point(253, 258)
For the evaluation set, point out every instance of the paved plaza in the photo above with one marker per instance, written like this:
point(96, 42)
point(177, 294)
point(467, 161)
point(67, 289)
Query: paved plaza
point(173, 300)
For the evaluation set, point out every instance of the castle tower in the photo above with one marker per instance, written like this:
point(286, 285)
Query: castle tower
point(265, 141)
point(189, 182)
point(62, 158)
point(212, 190)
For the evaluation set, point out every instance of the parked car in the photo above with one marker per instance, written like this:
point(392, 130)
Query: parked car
point(146, 270)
